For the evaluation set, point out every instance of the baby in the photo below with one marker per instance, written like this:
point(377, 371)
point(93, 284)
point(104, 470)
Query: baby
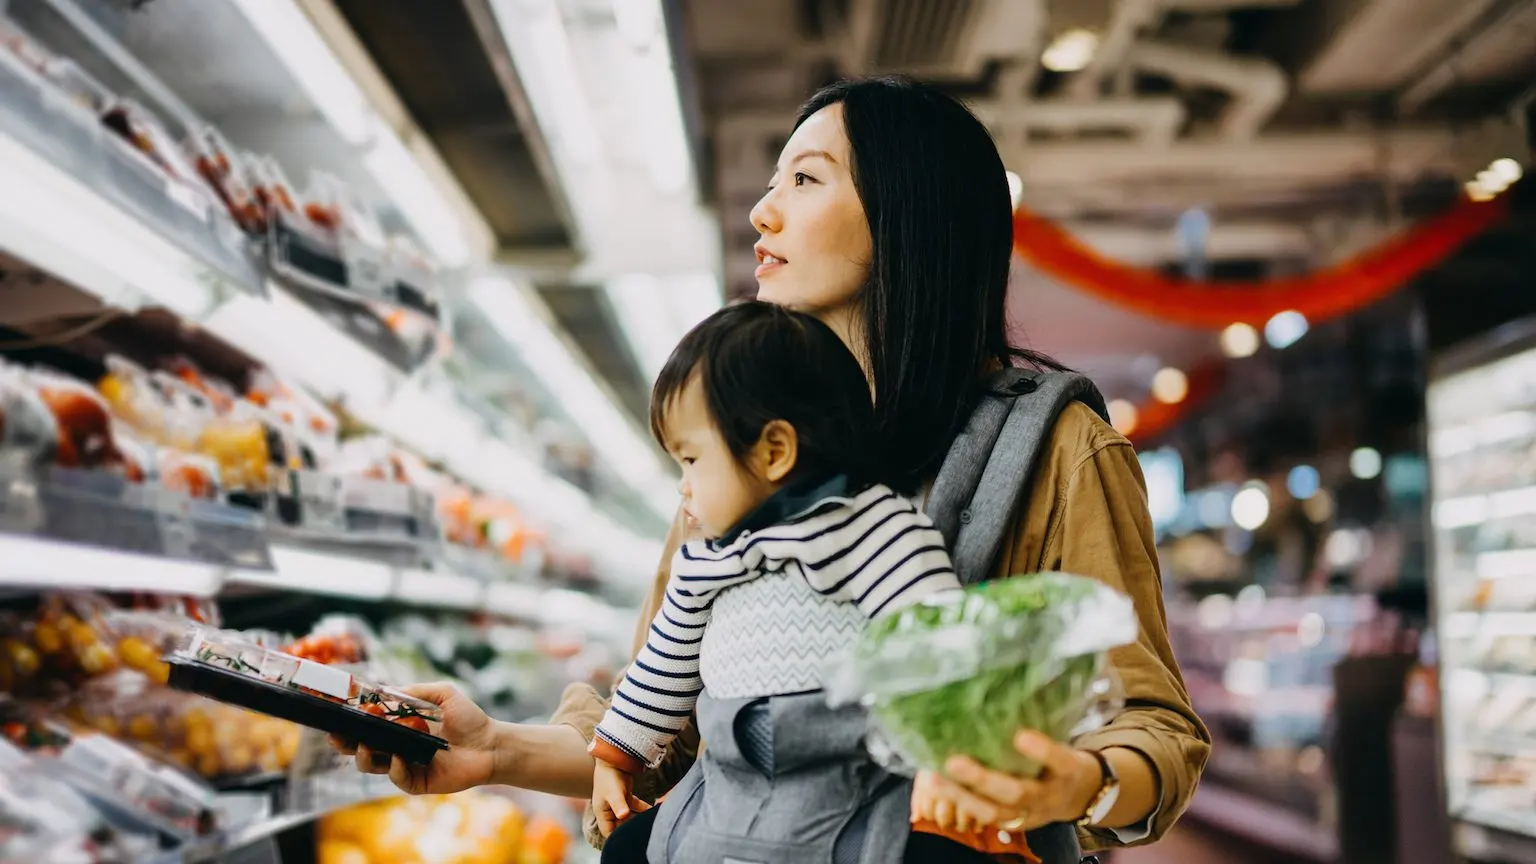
point(769, 417)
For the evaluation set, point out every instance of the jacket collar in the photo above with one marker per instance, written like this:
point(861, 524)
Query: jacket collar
point(794, 499)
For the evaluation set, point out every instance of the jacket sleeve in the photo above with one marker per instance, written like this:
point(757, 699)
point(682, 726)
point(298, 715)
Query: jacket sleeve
point(1104, 531)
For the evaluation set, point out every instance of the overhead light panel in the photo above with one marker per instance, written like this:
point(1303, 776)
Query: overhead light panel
point(633, 458)
point(1072, 51)
point(654, 313)
point(300, 48)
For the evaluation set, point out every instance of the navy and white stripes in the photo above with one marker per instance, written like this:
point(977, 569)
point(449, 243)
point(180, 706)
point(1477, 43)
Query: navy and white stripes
point(875, 550)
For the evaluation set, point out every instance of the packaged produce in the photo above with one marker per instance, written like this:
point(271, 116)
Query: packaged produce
point(231, 669)
point(476, 827)
point(101, 767)
point(144, 131)
point(43, 819)
point(963, 672)
point(226, 174)
point(26, 424)
point(208, 738)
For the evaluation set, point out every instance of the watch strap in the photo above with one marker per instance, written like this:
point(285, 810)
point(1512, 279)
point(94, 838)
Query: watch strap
point(1108, 782)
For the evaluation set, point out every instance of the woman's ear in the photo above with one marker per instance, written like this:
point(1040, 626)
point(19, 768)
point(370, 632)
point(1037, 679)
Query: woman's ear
point(777, 450)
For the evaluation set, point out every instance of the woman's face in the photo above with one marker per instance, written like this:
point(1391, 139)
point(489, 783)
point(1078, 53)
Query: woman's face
point(815, 248)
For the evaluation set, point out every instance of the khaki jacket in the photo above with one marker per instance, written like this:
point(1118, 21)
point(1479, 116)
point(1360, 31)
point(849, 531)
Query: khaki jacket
point(1087, 515)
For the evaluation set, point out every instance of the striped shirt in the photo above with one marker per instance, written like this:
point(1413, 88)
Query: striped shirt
point(870, 554)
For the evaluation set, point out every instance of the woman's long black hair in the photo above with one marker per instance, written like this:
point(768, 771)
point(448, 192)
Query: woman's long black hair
point(933, 309)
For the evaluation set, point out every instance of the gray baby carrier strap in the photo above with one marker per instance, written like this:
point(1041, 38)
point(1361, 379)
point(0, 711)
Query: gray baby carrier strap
point(788, 779)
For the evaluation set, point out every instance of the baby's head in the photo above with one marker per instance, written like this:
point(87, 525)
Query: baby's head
point(753, 398)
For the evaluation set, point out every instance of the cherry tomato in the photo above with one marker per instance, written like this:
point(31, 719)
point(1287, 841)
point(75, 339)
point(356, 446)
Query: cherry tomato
point(413, 722)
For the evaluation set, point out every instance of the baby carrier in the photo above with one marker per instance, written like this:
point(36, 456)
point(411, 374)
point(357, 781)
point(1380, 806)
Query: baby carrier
point(792, 767)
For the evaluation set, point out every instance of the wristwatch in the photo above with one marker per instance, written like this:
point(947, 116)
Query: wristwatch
point(1103, 800)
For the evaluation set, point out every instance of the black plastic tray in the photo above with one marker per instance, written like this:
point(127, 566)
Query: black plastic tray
point(286, 703)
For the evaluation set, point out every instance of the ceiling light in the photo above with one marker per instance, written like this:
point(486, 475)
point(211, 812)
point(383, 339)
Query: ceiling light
point(508, 308)
point(1365, 463)
point(1072, 51)
point(639, 21)
point(1303, 482)
point(1170, 385)
point(1239, 340)
point(1123, 416)
point(299, 47)
point(1015, 188)
point(1285, 329)
point(1250, 507)
point(1478, 192)
point(1491, 181)
point(1507, 170)
point(654, 313)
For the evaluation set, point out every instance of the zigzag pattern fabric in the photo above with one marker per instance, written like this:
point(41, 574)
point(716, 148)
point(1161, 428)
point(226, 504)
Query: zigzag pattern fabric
point(833, 567)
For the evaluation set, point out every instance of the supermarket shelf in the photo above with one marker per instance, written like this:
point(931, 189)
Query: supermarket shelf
point(1461, 625)
point(443, 590)
point(99, 214)
point(161, 243)
point(1495, 835)
point(33, 564)
point(30, 562)
point(1263, 823)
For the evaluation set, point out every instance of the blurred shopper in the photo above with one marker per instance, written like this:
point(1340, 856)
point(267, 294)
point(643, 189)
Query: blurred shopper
point(889, 219)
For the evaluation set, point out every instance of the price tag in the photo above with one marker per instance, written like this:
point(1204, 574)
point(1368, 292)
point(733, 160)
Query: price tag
point(323, 679)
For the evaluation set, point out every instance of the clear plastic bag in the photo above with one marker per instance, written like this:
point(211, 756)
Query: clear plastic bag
point(962, 672)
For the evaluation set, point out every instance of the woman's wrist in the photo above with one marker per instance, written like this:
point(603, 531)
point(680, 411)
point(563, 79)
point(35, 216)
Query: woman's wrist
point(545, 758)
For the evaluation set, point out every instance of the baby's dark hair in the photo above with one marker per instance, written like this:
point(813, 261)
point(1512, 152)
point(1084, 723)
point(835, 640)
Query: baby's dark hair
point(757, 363)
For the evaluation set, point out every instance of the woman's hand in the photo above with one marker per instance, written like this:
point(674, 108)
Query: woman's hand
point(613, 800)
point(469, 761)
point(1068, 781)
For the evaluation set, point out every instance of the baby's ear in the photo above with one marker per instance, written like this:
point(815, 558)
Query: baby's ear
point(777, 451)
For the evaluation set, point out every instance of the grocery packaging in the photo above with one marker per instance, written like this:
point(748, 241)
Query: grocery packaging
point(963, 672)
point(230, 669)
point(475, 827)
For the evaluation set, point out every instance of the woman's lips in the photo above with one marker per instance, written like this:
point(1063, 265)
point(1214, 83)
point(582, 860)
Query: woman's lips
point(767, 263)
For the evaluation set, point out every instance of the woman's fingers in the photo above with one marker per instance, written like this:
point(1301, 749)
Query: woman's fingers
point(1004, 789)
point(372, 761)
point(342, 745)
point(983, 810)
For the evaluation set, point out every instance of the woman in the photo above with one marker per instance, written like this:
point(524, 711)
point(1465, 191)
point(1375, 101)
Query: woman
point(889, 218)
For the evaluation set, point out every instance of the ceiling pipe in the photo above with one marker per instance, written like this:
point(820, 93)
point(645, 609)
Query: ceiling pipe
point(1258, 86)
point(1150, 121)
point(1130, 18)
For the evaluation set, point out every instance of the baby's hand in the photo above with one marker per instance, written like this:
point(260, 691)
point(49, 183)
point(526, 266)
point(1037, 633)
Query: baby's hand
point(612, 798)
point(931, 802)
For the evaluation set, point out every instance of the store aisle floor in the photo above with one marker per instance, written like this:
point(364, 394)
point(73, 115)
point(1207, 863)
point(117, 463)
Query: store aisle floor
point(1192, 843)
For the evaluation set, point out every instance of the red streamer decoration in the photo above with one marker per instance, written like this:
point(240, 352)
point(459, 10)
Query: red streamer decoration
point(1319, 296)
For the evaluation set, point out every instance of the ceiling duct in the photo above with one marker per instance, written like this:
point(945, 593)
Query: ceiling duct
point(948, 39)
point(1257, 86)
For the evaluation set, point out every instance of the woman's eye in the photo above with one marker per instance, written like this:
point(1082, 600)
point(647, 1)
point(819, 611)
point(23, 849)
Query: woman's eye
point(688, 460)
point(801, 179)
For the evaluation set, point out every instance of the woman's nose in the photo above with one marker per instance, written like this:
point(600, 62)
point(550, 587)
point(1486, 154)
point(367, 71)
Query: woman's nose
point(765, 216)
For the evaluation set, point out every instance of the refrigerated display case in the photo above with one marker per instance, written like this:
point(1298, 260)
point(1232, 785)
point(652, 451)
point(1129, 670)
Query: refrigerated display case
point(1481, 411)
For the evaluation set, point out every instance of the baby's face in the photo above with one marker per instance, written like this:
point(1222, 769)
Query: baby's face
point(717, 491)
